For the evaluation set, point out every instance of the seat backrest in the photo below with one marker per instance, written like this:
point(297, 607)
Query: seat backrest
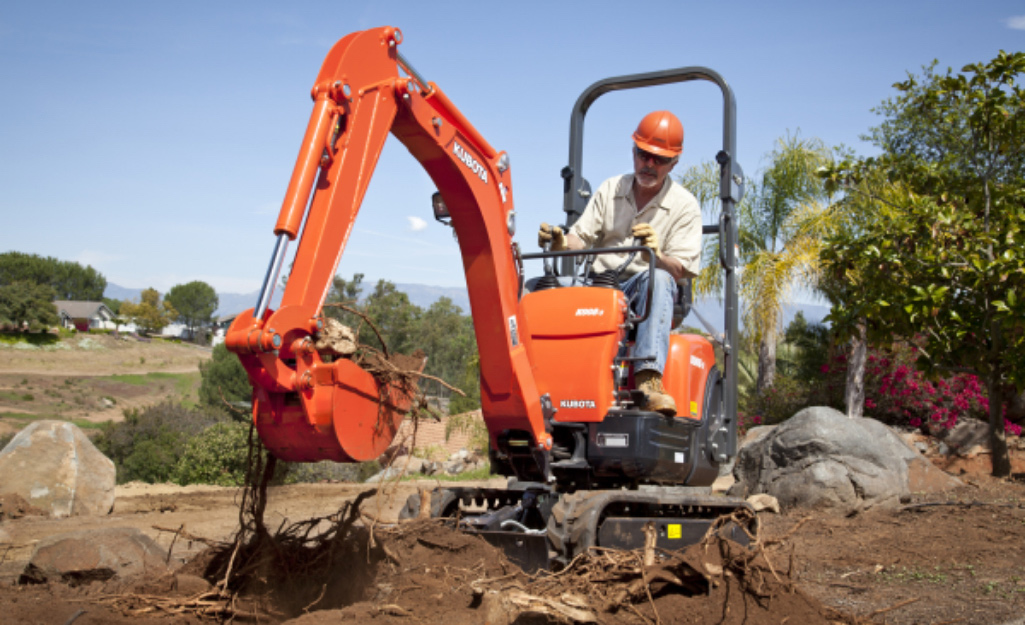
point(684, 300)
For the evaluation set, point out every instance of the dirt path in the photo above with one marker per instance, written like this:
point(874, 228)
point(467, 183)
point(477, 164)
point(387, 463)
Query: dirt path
point(101, 355)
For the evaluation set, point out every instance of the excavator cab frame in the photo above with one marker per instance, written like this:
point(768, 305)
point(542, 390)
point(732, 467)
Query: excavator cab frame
point(577, 191)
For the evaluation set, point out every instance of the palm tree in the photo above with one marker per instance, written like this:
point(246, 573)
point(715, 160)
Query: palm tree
point(782, 220)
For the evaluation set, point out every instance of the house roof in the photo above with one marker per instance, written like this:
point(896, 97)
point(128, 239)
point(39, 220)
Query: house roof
point(83, 310)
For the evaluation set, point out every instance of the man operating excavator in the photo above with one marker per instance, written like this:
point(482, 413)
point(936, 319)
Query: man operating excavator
point(660, 214)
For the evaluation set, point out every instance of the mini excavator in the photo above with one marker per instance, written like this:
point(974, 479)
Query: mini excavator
point(587, 467)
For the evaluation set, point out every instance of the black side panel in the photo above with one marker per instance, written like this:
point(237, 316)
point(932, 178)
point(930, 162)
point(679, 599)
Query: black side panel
point(644, 446)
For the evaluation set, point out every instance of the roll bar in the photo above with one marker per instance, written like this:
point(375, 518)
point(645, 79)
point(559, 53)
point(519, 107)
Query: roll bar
point(576, 193)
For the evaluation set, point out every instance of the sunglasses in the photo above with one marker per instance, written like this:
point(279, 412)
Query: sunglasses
point(646, 156)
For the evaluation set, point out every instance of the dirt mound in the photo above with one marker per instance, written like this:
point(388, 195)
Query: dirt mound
point(426, 572)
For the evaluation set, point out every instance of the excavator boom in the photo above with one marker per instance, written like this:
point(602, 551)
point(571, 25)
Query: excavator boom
point(307, 408)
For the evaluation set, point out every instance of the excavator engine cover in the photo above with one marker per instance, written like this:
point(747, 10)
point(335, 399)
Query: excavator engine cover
point(575, 332)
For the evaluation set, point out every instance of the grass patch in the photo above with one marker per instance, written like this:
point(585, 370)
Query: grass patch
point(145, 379)
point(16, 396)
point(483, 473)
point(184, 385)
point(28, 416)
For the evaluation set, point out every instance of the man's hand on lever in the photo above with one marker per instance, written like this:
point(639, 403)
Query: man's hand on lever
point(553, 234)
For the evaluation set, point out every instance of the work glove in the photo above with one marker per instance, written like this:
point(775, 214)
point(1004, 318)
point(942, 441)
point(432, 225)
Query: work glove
point(647, 237)
point(554, 234)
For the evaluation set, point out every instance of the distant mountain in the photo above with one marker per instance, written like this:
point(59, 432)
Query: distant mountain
point(114, 291)
point(423, 295)
point(713, 312)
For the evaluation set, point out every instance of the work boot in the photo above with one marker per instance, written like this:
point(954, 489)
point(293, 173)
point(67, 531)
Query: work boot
point(656, 399)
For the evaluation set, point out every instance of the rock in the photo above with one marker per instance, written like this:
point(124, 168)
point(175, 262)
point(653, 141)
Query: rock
point(5, 537)
point(762, 501)
point(390, 473)
point(925, 477)
point(409, 465)
point(14, 506)
point(186, 585)
point(455, 468)
point(86, 556)
point(968, 433)
point(755, 434)
point(336, 338)
point(55, 467)
point(821, 459)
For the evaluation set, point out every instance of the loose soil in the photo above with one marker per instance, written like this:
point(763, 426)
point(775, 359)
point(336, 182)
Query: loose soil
point(956, 557)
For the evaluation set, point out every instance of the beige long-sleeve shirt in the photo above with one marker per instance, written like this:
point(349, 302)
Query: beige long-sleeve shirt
point(611, 214)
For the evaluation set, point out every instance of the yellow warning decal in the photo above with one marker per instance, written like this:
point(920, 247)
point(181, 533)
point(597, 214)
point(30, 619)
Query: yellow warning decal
point(694, 408)
point(674, 531)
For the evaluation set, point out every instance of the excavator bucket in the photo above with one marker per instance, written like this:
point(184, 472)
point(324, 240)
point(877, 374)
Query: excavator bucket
point(309, 407)
point(353, 420)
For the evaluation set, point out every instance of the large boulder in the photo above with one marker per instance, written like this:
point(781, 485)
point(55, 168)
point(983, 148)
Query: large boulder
point(55, 467)
point(86, 556)
point(821, 459)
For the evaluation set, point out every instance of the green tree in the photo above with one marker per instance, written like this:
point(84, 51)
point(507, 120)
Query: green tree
point(347, 293)
point(195, 303)
point(781, 222)
point(149, 442)
point(941, 255)
point(806, 346)
point(446, 335)
point(469, 383)
point(396, 318)
point(224, 379)
point(443, 332)
point(69, 280)
point(217, 456)
point(150, 313)
point(25, 305)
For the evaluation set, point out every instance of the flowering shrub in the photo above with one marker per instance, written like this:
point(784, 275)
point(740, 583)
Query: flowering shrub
point(747, 421)
point(897, 393)
point(787, 396)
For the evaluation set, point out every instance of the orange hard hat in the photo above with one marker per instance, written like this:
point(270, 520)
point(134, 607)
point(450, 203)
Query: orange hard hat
point(660, 133)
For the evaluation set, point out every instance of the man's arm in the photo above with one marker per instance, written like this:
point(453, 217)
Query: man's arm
point(673, 266)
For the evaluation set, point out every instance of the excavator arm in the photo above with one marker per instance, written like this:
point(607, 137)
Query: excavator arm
point(309, 408)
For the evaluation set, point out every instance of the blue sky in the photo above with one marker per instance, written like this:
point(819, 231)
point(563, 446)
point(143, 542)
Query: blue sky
point(154, 141)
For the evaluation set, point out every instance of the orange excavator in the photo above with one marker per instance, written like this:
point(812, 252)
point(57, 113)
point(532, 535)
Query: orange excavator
point(586, 465)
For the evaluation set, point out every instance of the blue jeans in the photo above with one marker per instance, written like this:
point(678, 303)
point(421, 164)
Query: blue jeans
point(653, 333)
